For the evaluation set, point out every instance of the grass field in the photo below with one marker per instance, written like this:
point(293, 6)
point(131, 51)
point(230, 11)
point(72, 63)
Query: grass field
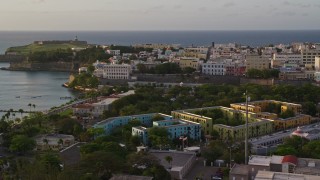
point(24, 50)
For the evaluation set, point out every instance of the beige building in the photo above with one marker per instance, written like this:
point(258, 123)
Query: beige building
point(317, 63)
point(197, 52)
point(257, 62)
point(192, 62)
point(117, 71)
point(279, 60)
point(309, 55)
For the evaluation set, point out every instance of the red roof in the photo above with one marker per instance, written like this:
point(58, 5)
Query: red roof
point(290, 159)
point(298, 131)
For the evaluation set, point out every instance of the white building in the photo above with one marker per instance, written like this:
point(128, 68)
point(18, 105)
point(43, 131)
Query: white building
point(213, 68)
point(53, 141)
point(117, 71)
point(280, 59)
point(101, 106)
point(114, 52)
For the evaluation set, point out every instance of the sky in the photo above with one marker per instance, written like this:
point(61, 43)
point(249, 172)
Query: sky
point(104, 15)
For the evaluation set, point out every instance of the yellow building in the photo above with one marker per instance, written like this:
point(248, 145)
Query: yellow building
point(260, 122)
point(208, 125)
point(242, 106)
point(257, 62)
point(205, 122)
point(197, 52)
point(262, 106)
point(279, 123)
point(299, 120)
point(259, 128)
point(184, 62)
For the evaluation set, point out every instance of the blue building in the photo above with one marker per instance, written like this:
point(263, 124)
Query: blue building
point(176, 128)
point(146, 119)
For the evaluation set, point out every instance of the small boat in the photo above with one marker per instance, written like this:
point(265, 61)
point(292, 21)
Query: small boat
point(17, 96)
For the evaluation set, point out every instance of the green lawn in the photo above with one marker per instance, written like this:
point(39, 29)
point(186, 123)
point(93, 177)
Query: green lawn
point(47, 47)
point(67, 112)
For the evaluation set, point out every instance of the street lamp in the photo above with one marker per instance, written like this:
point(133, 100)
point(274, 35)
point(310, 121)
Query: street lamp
point(246, 133)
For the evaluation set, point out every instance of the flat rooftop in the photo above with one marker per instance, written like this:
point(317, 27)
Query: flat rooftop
point(179, 159)
point(240, 169)
point(268, 175)
point(260, 160)
point(107, 101)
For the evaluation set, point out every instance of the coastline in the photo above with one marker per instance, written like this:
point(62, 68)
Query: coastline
point(33, 70)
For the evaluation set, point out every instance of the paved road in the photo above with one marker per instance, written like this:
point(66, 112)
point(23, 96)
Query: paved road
point(65, 107)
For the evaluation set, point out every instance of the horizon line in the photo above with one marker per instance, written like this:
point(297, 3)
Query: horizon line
point(174, 30)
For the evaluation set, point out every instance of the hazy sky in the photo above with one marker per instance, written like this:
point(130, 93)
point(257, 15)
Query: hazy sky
point(159, 14)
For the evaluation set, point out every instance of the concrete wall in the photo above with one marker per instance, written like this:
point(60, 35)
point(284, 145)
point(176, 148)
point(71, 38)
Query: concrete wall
point(177, 78)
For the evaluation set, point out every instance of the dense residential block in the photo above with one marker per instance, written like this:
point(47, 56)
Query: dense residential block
point(228, 122)
point(146, 119)
point(175, 127)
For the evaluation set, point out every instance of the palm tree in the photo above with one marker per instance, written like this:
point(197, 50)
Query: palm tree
point(34, 107)
point(21, 111)
point(30, 106)
point(7, 115)
point(169, 160)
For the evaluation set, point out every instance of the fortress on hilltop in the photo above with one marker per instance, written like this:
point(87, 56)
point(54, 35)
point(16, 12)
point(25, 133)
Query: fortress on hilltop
point(75, 41)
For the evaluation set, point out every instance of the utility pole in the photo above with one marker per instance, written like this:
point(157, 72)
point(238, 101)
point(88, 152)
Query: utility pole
point(246, 134)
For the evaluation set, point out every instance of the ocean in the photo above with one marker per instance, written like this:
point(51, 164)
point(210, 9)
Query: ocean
point(184, 38)
point(19, 88)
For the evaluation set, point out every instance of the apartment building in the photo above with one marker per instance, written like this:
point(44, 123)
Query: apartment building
point(235, 69)
point(309, 55)
point(175, 127)
point(197, 52)
point(191, 62)
point(261, 106)
point(257, 62)
point(279, 60)
point(113, 52)
point(259, 126)
point(213, 68)
point(146, 119)
point(117, 71)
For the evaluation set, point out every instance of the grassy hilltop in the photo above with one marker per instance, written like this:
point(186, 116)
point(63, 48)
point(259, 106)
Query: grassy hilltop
point(31, 48)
